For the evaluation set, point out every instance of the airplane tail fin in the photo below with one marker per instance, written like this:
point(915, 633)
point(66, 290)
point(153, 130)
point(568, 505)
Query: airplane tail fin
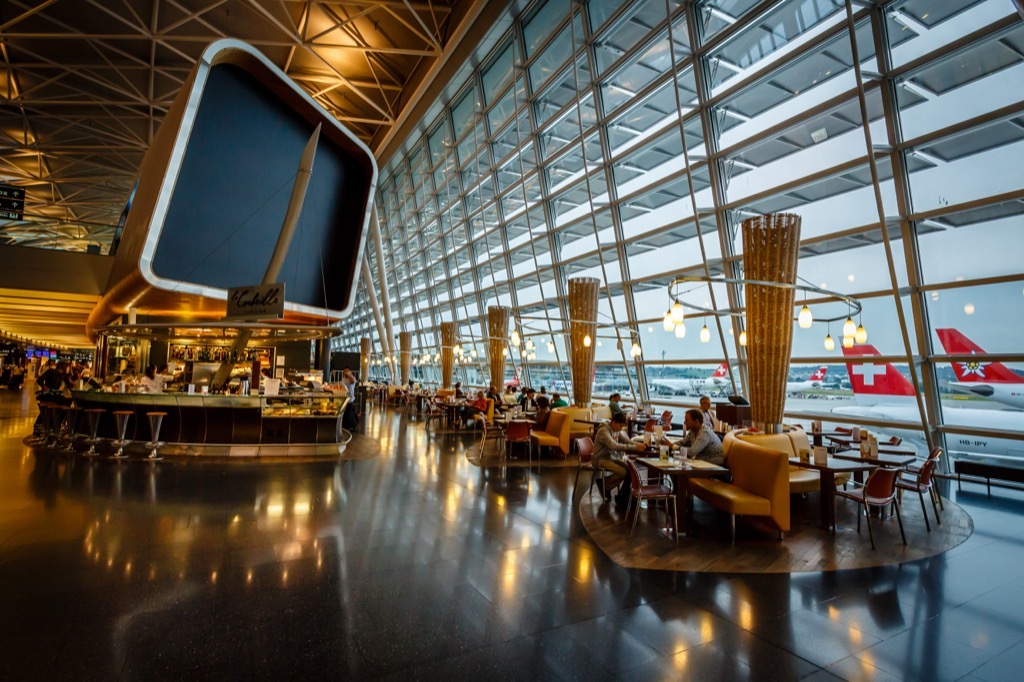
point(872, 379)
point(955, 343)
point(721, 372)
point(819, 375)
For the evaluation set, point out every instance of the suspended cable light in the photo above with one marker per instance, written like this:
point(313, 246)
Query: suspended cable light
point(849, 327)
point(680, 330)
point(847, 342)
point(705, 333)
point(743, 338)
point(829, 343)
point(667, 324)
point(515, 338)
point(805, 319)
point(678, 314)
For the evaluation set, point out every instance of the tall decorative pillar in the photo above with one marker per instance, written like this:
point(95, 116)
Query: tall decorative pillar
point(497, 335)
point(447, 353)
point(770, 253)
point(583, 294)
point(364, 358)
point(405, 355)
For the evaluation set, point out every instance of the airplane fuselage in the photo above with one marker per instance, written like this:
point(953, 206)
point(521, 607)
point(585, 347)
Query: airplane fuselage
point(1007, 394)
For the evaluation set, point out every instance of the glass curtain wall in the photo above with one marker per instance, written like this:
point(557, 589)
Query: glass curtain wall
point(627, 142)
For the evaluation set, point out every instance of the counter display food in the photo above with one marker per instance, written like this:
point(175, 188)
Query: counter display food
point(196, 419)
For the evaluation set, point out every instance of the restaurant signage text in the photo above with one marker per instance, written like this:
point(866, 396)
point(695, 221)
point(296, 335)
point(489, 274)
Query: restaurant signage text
point(257, 302)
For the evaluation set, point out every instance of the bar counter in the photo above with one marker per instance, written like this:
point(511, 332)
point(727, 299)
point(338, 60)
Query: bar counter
point(287, 419)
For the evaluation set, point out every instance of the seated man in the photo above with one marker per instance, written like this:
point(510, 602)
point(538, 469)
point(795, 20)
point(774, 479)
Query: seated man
point(558, 401)
point(701, 440)
point(610, 443)
point(528, 401)
point(705, 409)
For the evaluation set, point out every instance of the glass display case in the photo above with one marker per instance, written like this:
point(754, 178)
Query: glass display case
point(291, 419)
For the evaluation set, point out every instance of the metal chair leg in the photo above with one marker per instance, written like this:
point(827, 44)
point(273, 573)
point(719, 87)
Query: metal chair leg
point(636, 516)
point(899, 519)
point(867, 514)
point(924, 511)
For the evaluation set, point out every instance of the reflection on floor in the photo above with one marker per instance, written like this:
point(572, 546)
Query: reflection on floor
point(419, 563)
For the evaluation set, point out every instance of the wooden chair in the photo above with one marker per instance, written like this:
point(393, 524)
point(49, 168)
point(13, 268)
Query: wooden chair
point(936, 454)
point(518, 432)
point(585, 448)
point(920, 483)
point(434, 411)
point(640, 491)
point(878, 491)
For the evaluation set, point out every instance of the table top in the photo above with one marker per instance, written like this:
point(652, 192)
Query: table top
point(688, 467)
point(834, 464)
point(896, 460)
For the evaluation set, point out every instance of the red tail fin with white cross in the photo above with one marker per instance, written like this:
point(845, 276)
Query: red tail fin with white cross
point(875, 379)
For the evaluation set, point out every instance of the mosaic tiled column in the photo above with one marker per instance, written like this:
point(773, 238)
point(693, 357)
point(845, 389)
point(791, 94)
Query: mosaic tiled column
point(583, 294)
point(405, 353)
point(770, 252)
point(447, 353)
point(497, 338)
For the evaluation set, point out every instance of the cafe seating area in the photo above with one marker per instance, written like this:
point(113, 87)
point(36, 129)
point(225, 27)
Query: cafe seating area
point(773, 506)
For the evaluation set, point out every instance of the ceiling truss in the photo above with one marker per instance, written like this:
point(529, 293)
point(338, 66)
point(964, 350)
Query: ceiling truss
point(86, 84)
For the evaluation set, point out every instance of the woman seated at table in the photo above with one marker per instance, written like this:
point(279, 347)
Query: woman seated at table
point(543, 414)
point(509, 397)
point(700, 440)
point(474, 407)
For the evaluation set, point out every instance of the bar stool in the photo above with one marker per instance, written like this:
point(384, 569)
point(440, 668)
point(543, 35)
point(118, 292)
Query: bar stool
point(122, 430)
point(70, 426)
point(156, 419)
point(46, 412)
point(94, 415)
point(56, 414)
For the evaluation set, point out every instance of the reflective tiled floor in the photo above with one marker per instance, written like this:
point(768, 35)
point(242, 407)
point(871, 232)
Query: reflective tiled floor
point(421, 565)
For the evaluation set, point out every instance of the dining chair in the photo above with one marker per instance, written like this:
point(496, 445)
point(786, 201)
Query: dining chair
point(585, 449)
point(920, 483)
point(878, 491)
point(649, 492)
point(518, 432)
point(488, 428)
point(666, 419)
point(434, 411)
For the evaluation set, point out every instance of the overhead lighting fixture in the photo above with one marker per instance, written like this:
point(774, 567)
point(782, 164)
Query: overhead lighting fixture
point(705, 334)
point(805, 319)
point(678, 313)
point(680, 330)
point(830, 344)
point(667, 323)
